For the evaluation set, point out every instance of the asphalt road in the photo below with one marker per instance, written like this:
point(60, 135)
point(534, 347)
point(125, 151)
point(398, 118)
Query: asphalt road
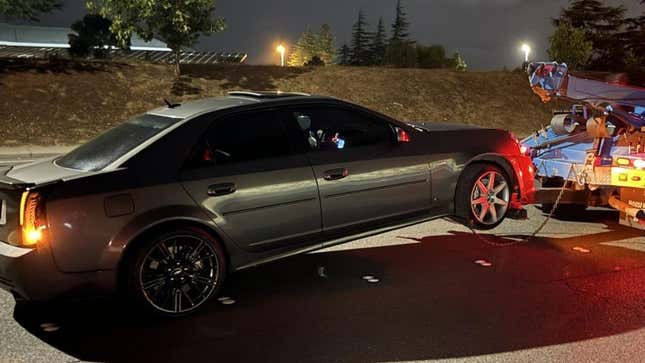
point(574, 294)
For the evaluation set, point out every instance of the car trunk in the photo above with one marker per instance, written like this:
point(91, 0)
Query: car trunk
point(14, 181)
point(10, 193)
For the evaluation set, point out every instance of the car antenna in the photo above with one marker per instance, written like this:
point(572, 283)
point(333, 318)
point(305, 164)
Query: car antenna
point(170, 104)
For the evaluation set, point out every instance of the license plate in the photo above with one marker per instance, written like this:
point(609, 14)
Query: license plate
point(3, 212)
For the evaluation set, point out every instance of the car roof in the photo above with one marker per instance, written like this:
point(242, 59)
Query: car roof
point(234, 99)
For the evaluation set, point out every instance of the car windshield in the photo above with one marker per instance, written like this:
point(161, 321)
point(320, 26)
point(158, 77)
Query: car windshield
point(114, 143)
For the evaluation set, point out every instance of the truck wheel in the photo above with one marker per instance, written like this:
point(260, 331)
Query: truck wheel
point(175, 272)
point(483, 196)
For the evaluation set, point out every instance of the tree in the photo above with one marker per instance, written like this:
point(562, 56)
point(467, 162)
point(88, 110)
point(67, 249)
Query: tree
point(178, 23)
point(431, 57)
point(311, 45)
point(401, 26)
point(28, 9)
point(92, 37)
point(401, 54)
point(360, 52)
point(344, 54)
point(601, 25)
point(634, 41)
point(303, 50)
point(326, 45)
point(378, 46)
point(315, 61)
point(570, 45)
point(459, 62)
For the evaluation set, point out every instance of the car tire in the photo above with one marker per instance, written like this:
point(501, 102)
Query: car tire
point(174, 273)
point(476, 205)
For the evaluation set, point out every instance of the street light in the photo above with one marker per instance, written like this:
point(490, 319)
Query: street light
point(281, 49)
point(527, 50)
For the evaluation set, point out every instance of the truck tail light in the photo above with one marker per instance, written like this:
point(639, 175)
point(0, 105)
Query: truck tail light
point(639, 163)
point(623, 162)
point(32, 218)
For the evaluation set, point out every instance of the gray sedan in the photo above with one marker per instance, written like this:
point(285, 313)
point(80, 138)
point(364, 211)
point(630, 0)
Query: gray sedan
point(164, 206)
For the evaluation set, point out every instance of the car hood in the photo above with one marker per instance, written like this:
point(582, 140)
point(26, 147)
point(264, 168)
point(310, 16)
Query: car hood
point(441, 126)
point(41, 171)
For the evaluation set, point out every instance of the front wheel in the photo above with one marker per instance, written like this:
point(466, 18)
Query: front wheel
point(176, 272)
point(483, 196)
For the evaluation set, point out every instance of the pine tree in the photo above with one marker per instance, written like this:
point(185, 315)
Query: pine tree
point(360, 52)
point(344, 54)
point(326, 47)
point(602, 25)
point(379, 46)
point(569, 45)
point(304, 49)
point(634, 40)
point(401, 26)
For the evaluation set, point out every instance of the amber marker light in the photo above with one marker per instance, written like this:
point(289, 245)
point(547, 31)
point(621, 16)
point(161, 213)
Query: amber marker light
point(31, 218)
point(623, 161)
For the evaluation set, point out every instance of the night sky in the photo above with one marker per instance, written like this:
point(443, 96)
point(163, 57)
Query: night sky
point(488, 33)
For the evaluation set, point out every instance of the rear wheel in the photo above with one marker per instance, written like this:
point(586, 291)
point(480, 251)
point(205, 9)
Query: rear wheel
point(483, 196)
point(176, 272)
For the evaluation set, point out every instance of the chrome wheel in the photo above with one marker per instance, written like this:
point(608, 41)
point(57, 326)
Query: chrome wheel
point(489, 198)
point(179, 274)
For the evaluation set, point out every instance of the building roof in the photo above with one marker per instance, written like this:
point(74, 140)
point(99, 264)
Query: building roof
point(56, 37)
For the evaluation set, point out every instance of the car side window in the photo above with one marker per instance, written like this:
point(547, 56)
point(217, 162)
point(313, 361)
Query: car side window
point(332, 128)
point(240, 138)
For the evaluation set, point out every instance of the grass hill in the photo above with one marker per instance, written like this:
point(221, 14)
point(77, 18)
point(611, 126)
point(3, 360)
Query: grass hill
point(64, 102)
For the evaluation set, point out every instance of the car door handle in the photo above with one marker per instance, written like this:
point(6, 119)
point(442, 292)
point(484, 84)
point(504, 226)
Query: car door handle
point(336, 174)
point(216, 190)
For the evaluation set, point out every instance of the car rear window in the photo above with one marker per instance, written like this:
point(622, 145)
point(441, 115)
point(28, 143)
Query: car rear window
point(114, 143)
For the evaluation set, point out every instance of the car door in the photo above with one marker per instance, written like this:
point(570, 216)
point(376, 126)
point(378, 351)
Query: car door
point(259, 191)
point(364, 175)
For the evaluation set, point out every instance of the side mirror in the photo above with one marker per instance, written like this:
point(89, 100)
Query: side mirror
point(402, 136)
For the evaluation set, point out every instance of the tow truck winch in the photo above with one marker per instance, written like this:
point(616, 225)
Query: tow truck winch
point(595, 151)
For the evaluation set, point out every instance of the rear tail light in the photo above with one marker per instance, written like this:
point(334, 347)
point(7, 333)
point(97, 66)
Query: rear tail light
point(623, 162)
point(32, 218)
point(639, 163)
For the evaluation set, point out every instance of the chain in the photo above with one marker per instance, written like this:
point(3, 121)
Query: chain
point(538, 230)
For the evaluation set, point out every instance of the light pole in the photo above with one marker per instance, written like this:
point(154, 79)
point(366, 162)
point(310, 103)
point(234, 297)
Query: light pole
point(527, 50)
point(281, 49)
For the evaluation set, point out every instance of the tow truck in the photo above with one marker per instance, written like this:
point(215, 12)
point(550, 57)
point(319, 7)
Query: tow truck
point(592, 154)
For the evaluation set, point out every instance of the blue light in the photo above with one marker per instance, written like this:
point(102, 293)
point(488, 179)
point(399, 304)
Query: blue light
point(340, 144)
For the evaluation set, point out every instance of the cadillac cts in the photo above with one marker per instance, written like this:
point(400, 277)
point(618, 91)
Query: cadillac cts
point(164, 206)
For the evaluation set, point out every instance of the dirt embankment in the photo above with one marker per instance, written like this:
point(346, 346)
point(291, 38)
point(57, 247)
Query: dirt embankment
point(44, 103)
